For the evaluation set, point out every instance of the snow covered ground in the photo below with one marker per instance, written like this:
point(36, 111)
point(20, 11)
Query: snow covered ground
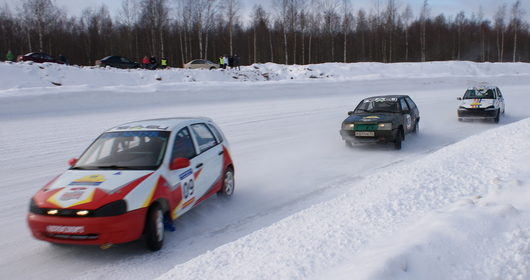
point(453, 204)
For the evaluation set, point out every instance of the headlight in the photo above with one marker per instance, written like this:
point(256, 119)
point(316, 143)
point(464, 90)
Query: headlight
point(462, 108)
point(348, 126)
point(115, 208)
point(384, 126)
point(489, 108)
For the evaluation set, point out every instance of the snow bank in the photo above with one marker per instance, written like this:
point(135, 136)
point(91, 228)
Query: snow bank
point(50, 75)
point(462, 212)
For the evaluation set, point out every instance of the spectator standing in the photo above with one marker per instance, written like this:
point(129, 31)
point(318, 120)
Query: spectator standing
point(237, 61)
point(145, 62)
point(163, 63)
point(153, 63)
point(10, 56)
point(221, 62)
point(225, 61)
point(231, 62)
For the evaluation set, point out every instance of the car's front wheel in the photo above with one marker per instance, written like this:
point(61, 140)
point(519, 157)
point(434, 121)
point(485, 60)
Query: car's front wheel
point(228, 184)
point(398, 140)
point(154, 228)
point(497, 117)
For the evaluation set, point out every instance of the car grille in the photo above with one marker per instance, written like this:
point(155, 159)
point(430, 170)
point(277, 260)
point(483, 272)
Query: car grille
point(366, 127)
point(73, 236)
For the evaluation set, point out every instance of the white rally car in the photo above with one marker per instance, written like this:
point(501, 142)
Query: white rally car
point(131, 181)
point(483, 102)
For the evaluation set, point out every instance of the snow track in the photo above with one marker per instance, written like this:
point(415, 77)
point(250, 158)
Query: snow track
point(289, 161)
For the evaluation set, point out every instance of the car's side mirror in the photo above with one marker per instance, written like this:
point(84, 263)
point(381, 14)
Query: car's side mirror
point(72, 162)
point(350, 113)
point(459, 98)
point(179, 163)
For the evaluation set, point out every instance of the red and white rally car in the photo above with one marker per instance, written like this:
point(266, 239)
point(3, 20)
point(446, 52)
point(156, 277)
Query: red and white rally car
point(132, 179)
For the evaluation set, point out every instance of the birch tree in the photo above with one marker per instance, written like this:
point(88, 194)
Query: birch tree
point(500, 30)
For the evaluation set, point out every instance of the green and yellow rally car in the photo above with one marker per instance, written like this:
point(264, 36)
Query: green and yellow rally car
point(381, 119)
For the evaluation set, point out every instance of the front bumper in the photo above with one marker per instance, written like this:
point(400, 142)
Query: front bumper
point(380, 136)
point(477, 113)
point(88, 230)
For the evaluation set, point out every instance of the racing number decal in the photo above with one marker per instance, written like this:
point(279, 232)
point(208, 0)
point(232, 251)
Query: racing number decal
point(187, 188)
point(408, 121)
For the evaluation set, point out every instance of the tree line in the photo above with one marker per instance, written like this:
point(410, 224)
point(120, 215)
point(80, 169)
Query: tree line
point(289, 32)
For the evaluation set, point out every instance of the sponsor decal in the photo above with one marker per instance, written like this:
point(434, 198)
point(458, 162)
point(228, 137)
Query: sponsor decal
point(138, 127)
point(65, 229)
point(90, 180)
point(369, 118)
point(69, 197)
point(185, 174)
point(380, 99)
point(72, 194)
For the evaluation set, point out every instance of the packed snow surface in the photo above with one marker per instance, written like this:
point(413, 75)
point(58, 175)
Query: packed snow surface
point(454, 203)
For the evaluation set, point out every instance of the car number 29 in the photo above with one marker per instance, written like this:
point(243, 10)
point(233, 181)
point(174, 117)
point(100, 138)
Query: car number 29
point(187, 188)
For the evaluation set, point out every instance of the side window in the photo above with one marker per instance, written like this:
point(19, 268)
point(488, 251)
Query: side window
point(404, 106)
point(183, 145)
point(499, 92)
point(204, 136)
point(218, 134)
point(411, 103)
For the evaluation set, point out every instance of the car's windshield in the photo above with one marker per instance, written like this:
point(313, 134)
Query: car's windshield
point(138, 150)
point(479, 94)
point(378, 105)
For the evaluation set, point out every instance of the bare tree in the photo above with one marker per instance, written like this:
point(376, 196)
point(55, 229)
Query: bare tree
point(232, 8)
point(500, 28)
point(391, 16)
point(282, 7)
point(154, 16)
point(517, 14)
point(347, 24)
point(362, 30)
point(459, 21)
point(128, 17)
point(40, 14)
point(424, 16)
point(331, 21)
point(406, 16)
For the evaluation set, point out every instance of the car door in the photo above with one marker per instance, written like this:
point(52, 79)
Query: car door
point(183, 147)
point(414, 111)
point(209, 160)
point(406, 113)
point(501, 100)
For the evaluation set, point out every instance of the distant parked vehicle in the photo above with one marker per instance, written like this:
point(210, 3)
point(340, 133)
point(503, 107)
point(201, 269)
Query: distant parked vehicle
point(117, 62)
point(38, 57)
point(201, 64)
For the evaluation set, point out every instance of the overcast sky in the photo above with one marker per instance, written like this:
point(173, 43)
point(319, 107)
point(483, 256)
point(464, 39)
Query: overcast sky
point(448, 7)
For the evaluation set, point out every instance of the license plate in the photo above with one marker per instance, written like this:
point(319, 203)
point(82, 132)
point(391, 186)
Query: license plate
point(365, 133)
point(65, 229)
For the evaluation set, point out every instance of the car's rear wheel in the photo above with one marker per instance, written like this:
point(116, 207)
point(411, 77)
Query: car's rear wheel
point(398, 140)
point(228, 184)
point(416, 127)
point(154, 228)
